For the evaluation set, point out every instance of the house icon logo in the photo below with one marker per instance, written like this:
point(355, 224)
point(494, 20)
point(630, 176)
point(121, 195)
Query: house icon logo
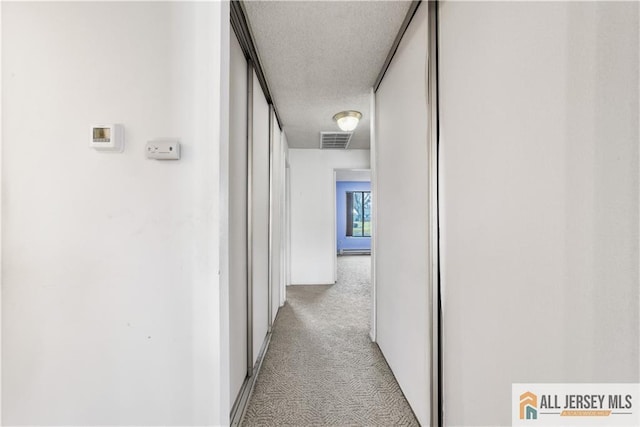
point(528, 406)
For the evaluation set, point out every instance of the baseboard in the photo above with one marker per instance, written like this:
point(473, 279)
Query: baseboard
point(310, 284)
point(346, 252)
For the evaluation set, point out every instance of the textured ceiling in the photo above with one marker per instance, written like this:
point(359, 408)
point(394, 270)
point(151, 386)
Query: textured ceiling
point(320, 58)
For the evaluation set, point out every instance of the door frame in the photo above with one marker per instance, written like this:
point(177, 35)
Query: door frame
point(372, 331)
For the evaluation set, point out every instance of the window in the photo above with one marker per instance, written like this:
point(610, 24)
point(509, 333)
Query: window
point(359, 213)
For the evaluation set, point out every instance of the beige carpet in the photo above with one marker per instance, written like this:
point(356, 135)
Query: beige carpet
point(321, 368)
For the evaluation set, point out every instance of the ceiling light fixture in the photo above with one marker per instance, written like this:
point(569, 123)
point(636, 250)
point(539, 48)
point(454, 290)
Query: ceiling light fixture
point(348, 120)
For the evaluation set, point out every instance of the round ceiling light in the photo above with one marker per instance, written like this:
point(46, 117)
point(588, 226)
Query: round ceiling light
point(348, 120)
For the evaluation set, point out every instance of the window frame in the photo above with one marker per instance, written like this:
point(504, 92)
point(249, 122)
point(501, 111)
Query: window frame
point(349, 229)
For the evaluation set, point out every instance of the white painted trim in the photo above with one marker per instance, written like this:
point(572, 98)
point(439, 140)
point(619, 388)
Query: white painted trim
point(374, 214)
point(283, 221)
point(334, 247)
point(1, 208)
point(288, 208)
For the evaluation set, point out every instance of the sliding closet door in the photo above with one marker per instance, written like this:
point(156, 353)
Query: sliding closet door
point(402, 231)
point(237, 218)
point(260, 217)
point(539, 197)
point(276, 214)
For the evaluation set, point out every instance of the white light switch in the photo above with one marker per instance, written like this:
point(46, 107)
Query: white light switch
point(163, 149)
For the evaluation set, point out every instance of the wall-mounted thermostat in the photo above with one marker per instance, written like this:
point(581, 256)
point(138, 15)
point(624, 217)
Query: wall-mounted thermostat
point(163, 149)
point(107, 137)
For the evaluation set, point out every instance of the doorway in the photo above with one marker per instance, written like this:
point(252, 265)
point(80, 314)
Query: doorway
point(353, 221)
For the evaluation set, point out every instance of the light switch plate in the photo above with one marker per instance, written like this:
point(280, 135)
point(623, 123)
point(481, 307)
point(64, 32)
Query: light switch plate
point(163, 149)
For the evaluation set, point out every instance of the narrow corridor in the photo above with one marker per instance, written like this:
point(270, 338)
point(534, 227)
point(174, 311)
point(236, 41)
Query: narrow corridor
point(321, 367)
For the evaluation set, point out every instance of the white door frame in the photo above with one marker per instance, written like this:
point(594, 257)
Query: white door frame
point(285, 279)
point(373, 164)
point(372, 332)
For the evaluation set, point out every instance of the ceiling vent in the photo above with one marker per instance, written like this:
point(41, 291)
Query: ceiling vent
point(335, 140)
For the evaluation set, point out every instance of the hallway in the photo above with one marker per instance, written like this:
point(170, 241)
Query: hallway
point(140, 287)
point(321, 367)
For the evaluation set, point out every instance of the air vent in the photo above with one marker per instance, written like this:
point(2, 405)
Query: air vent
point(335, 140)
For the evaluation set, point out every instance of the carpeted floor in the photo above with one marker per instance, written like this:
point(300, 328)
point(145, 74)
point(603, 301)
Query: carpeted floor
point(321, 368)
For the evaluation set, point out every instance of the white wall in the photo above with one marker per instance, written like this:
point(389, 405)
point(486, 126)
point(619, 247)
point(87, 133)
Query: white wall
point(352, 175)
point(260, 217)
point(237, 218)
point(401, 225)
point(313, 250)
point(539, 193)
point(111, 309)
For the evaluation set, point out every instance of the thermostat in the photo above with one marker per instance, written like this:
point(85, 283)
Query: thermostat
point(107, 137)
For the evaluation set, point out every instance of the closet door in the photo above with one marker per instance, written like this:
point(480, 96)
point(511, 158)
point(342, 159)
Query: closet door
point(260, 217)
point(402, 235)
point(539, 197)
point(276, 214)
point(237, 218)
